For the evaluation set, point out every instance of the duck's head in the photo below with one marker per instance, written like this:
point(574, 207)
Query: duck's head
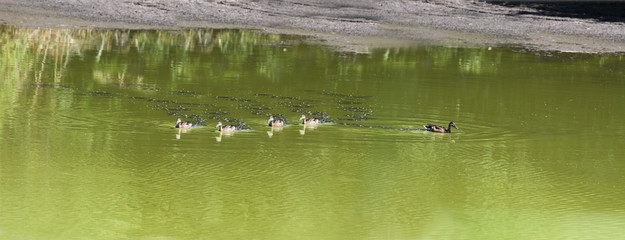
point(303, 117)
point(452, 124)
point(270, 119)
point(219, 124)
point(178, 121)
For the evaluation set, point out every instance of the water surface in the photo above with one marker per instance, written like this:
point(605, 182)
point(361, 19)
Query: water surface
point(88, 149)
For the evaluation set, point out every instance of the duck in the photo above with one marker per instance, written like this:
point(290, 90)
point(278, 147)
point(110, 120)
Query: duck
point(310, 121)
point(181, 124)
point(225, 128)
point(275, 123)
point(439, 129)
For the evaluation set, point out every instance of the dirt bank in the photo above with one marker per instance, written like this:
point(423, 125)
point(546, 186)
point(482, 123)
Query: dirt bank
point(346, 23)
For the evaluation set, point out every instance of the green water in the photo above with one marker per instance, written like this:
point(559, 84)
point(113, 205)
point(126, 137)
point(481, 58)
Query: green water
point(88, 149)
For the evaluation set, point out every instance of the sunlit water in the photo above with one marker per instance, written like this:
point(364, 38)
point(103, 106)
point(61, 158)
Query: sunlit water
point(88, 148)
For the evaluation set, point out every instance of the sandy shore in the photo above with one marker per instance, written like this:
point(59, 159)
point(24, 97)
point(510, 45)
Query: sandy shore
point(348, 24)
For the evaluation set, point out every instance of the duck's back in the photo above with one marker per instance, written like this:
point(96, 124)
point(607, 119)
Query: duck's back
point(434, 128)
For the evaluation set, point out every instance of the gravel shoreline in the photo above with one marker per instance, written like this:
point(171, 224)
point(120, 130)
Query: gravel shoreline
point(351, 25)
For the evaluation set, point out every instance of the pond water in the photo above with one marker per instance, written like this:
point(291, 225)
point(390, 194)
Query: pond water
point(88, 148)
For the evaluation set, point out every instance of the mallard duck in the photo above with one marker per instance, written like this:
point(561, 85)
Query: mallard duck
point(226, 128)
point(310, 121)
point(275, 123)
point(181, 124)
point(439, 129)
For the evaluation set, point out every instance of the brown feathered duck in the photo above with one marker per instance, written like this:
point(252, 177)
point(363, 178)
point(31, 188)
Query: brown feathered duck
point(225, 128)
point(275, 122)
point(439, 129)
point(310, 121)
point(181, 124)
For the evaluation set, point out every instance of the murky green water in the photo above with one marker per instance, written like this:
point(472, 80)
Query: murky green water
point(88, 149)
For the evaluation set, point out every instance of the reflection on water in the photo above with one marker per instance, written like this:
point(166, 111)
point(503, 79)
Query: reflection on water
point(181, 131)
point(221, 135)
point(302, 131)
point(86, 145)
point(274, 129)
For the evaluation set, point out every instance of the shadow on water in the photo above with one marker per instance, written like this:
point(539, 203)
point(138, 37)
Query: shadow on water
point(609, 11)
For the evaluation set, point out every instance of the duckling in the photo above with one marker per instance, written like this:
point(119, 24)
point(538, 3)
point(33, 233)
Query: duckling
point(439, 129)
point(226, 128)
point(275, 123)
point(310, 121)
point(181, 124)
